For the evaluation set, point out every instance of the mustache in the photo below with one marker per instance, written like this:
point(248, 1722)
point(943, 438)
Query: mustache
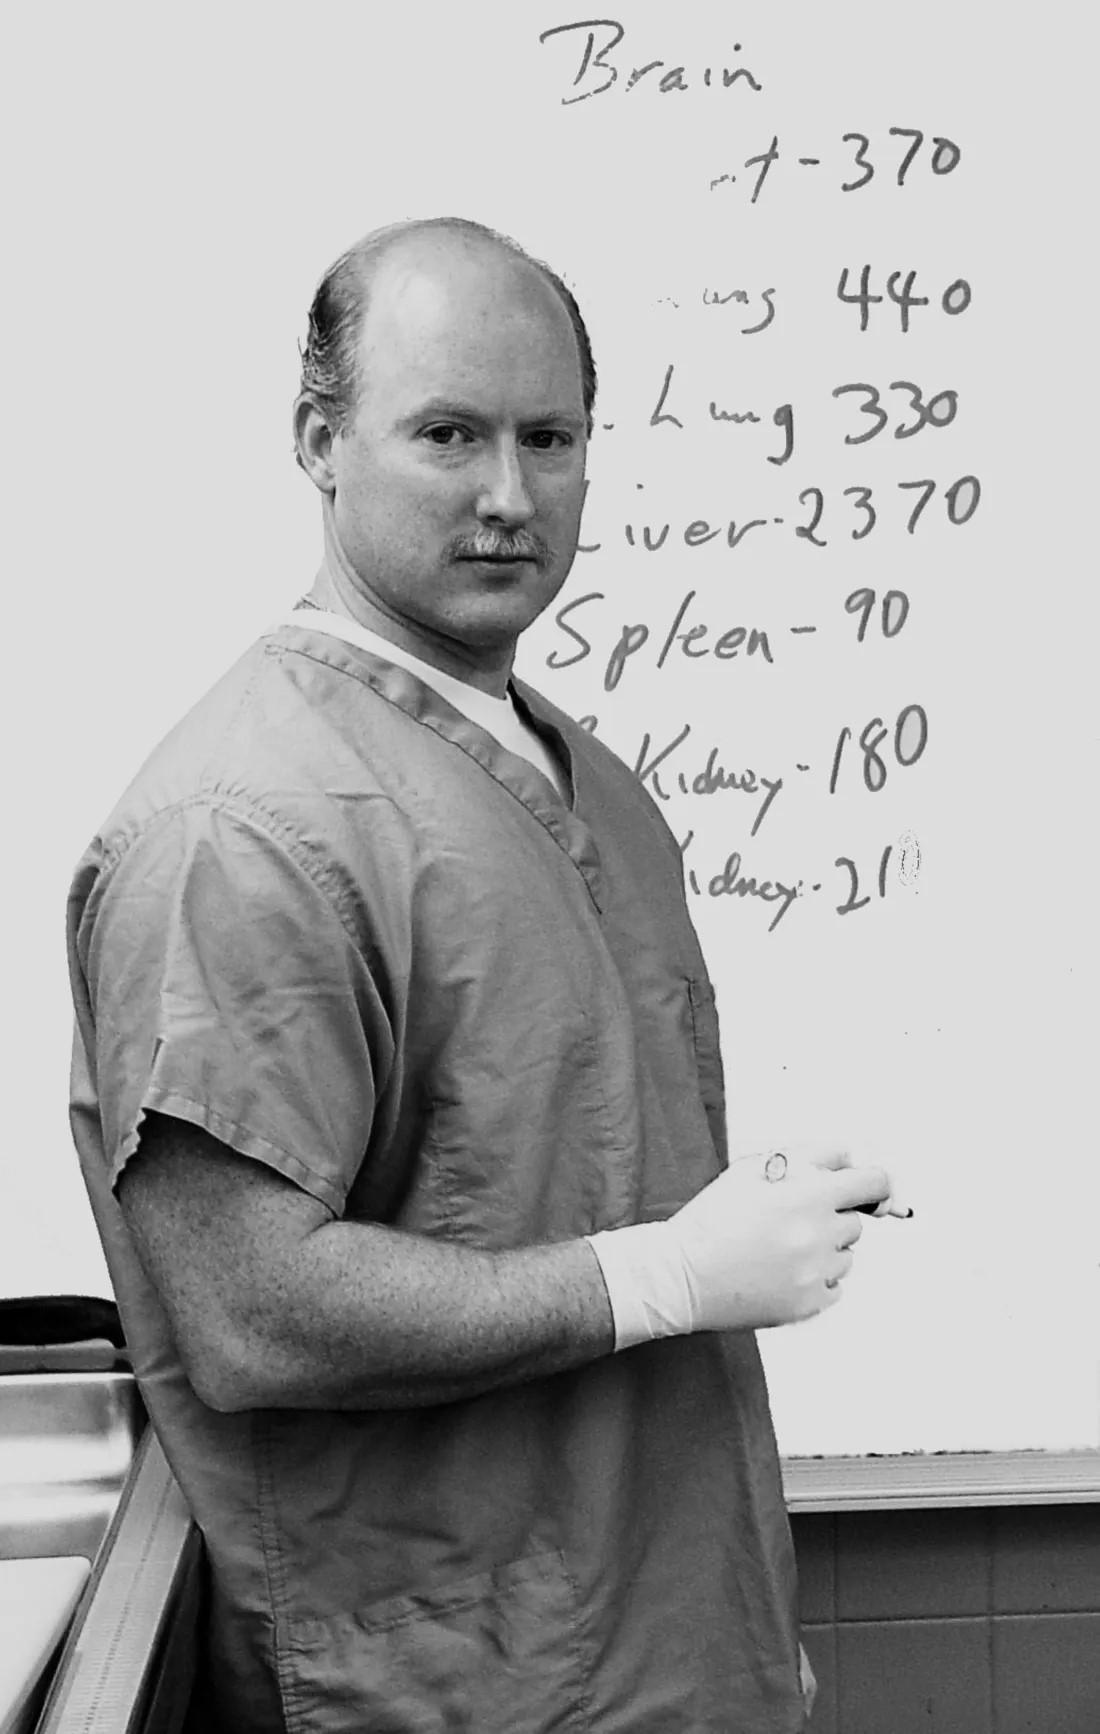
point(498, 545)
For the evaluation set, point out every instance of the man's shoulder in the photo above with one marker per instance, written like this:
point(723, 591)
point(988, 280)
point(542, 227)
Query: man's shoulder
point(200, 748)
point(237, 749)
point(275, 722)
point(304, 748)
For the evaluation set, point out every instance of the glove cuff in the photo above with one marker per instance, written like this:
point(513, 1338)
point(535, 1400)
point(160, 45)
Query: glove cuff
point(647, 1284)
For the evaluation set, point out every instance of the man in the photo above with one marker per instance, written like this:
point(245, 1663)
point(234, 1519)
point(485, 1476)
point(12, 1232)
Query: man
point(396, 1088)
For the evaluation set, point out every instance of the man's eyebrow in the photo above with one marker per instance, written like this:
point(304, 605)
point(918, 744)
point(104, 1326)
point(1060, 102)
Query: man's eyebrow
point(451, 408)
point(454, 409)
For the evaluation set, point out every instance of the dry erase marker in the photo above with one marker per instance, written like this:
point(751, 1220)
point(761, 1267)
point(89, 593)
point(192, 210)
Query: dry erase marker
point(904, 1211)
point(775, 1168)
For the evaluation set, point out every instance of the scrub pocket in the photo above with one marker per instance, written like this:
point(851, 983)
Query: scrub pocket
point(708, 1054)
point(499, 1653)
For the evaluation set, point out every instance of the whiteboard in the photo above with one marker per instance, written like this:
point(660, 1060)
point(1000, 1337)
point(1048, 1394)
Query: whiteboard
point(836, 600)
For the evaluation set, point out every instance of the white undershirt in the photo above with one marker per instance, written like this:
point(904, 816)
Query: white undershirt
point(498, 716)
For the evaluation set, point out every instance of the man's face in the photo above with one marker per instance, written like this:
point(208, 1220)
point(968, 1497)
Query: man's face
point(460, 482)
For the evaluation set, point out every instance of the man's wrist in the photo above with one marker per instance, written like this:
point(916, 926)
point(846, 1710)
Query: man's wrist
point(647, 1285)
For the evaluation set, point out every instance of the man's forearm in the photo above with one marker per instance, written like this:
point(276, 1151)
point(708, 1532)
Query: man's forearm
point(275, 1305)
point(378, 1319)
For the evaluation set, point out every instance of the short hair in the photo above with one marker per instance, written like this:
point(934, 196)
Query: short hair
point(330, 357)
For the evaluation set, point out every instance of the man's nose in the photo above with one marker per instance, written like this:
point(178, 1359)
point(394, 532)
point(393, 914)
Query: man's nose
point(504, 497)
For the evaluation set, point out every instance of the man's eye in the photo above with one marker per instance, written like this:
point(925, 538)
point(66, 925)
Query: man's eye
point(545, 439)
point(445, 433)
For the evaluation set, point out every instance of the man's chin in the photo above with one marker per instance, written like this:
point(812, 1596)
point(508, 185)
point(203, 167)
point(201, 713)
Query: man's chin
point(494, 634)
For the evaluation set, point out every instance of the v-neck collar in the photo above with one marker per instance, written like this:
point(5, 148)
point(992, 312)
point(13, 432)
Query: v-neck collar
point(327, 641)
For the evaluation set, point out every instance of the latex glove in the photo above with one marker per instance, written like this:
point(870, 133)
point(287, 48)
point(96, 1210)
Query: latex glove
point(744, 1254)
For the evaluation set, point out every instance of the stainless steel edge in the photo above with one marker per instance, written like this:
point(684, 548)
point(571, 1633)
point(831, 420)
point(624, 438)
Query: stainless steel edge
point(111, 1662)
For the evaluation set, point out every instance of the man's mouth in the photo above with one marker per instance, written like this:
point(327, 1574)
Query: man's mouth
point(497, 559)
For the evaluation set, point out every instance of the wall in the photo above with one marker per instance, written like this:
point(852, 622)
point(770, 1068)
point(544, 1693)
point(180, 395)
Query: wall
point(171, 222)
point(963, 1621)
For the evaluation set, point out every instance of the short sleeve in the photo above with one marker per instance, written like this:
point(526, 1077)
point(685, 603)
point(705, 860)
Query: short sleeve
point(225, 989)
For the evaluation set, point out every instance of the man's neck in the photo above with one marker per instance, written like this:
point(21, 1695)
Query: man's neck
point(338, 589)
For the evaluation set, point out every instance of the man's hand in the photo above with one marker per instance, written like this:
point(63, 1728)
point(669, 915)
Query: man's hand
point(763, 1253)
point(759, 1246)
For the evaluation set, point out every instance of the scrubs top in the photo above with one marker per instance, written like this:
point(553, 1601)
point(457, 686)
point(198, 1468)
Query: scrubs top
point(339, 926)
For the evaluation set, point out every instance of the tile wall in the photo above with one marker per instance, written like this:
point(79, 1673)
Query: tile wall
point(967, 1621)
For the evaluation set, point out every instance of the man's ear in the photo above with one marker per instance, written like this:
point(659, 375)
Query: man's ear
point(313, 443)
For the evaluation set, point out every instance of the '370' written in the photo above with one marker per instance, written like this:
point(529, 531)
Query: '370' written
point(855, 509)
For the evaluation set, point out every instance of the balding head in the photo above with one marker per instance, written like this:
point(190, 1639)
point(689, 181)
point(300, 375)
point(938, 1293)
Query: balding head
point(447, 434)
point(332, 357)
